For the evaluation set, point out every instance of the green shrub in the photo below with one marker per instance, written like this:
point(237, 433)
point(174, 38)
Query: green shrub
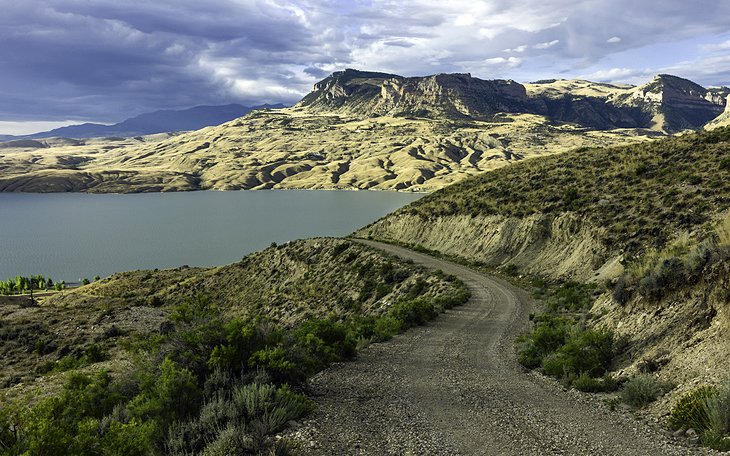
point(640, 390)
point(339, 248)
point(326, 341)
point(414, 312)
point(276, 362)
point(242, 339)
point(386, 327)
point(238, 420)
point(571, 296)
point(665, 276)
point(511, 270)
point(589, 351)
point(717, 408)
point(588, 384)
point(707, 410)
point(158, 404)
point(621, 292)
point(725, 163)
point(167, 395)
point(557, 365)
point(549, 334)
point(690, 410)
point(133, 438)
point(67, 423)
point(719, 442)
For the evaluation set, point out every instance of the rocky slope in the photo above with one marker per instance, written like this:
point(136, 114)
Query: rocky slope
point(723, 120)
point(649, 222)
point(672, 104)
point(364, 130)
point(667, 103)
point(443, 95)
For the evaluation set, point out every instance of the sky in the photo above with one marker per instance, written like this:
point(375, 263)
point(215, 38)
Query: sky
point(70, 61)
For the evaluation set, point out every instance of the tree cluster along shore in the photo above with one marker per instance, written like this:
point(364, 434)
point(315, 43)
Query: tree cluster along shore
point(19, 285)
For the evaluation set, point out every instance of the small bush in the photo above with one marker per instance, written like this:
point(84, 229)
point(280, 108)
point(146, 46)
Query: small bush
point(325, 342)
point(386, 327)
point(413, 312)
point(717, 408)
point(588, 384)
point(340, 248)
point(571, 296)
point(557, 365)
point(276, 362)
point(549, 335)
point(589, 351)
point(621, 292)
point(640, 390)
point(690, 410)
point(666, 275)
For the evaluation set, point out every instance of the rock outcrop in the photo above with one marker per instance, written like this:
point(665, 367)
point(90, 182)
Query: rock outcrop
point(723, 120)
point(667, 103)
point(673, 103)
point(451, 95)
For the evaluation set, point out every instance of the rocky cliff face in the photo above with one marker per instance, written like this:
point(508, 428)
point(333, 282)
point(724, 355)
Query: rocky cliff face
point(666, 104)
point(451, 95)
point(673, 103)
point(723, 120)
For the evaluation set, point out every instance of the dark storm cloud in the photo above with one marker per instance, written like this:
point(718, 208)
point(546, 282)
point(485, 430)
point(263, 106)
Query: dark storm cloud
point(105, 60)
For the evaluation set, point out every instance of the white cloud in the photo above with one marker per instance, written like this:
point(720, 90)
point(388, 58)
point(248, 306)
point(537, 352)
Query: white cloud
point(488, 33)
point(614, 39)
point(711, 70)
point(716, 47)
point(518, 49)
point(617, 75)
point(510, 62)
point(546, 45)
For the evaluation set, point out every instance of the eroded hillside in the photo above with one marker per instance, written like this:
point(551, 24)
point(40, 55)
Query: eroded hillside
point(361, 130)
point(295, 149)
point(647, 223)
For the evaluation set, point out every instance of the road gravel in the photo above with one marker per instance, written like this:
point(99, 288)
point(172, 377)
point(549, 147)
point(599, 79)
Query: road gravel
point(454, 387)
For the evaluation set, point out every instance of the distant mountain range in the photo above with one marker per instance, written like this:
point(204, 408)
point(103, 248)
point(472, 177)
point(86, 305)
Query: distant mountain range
point(162, 121)
point(667, 103)
point(368, 130)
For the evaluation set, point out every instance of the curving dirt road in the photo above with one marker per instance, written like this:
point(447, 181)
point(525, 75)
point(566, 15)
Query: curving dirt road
point(454, 387)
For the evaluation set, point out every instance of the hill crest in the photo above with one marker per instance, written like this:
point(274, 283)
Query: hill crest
point(667, 103)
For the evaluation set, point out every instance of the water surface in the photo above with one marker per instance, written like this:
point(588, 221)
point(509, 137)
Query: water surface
point(74, 235)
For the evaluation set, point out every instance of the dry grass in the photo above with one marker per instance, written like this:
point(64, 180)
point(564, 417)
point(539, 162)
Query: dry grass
point(297, 149)
point(722, 230)
point(641, 196)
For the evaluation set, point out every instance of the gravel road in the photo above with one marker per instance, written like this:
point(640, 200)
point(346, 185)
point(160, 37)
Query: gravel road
point(454, 387)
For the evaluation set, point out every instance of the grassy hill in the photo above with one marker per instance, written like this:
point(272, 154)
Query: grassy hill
point(295, 148)
point(642, 195)
point(184, 360)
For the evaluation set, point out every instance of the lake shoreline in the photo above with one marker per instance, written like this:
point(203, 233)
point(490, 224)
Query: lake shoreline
point(70, 236)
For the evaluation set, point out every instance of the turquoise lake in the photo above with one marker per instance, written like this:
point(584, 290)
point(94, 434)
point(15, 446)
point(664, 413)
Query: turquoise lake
point(69, 236)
